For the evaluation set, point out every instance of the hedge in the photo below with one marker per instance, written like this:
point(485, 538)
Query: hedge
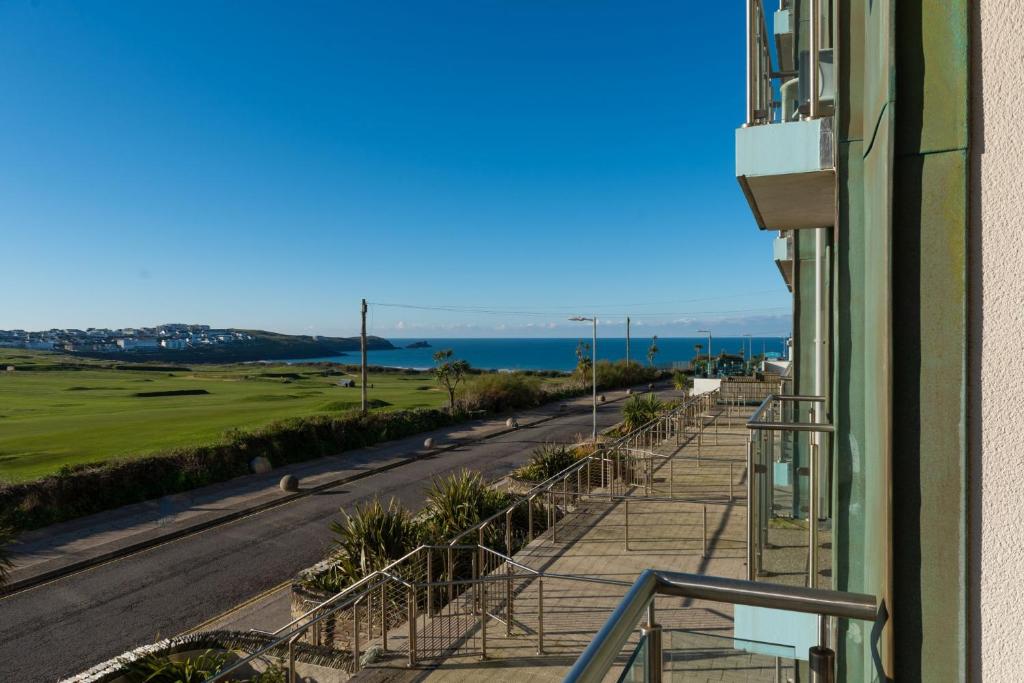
point(87, 489)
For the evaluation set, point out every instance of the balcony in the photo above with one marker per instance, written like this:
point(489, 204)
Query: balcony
point(785, 159)
point(782, 252)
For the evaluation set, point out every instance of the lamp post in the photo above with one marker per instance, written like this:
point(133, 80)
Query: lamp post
point(750, 346)
point(593, 368)
point(707, 332)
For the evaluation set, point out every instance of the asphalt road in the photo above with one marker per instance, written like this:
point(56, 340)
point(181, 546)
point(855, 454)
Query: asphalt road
point(64, 627)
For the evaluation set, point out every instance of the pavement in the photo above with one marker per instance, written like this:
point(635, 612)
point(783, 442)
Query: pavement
point(96, 587)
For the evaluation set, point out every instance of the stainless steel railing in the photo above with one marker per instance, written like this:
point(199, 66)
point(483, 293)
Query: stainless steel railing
point(600, 656)
point(768, 420)
point(761, 75)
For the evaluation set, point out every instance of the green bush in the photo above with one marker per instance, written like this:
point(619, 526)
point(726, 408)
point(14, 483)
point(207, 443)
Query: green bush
point(375, 535)
point(681, 381)
point(639, 410)
point(547, 461)
point(161, 669)
point(87, 489)
point(5, 558)
point(619, 374)
point(460, 501)
point(502, 391)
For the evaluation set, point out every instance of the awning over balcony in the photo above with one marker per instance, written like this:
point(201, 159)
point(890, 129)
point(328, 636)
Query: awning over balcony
point(787, 172)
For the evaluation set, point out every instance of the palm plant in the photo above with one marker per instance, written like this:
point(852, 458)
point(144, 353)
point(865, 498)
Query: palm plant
point(460, 501)
point(652, 350)
point(161, 669)
point(681, 381)
point(449, 374)
point(373, 536)
point(546, 461)
point(639, 410)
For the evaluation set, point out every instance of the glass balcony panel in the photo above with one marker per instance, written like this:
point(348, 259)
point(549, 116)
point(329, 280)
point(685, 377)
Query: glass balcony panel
point(636, 665)
point(700, 656)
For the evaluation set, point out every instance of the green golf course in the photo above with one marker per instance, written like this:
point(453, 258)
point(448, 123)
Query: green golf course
point(58, 410)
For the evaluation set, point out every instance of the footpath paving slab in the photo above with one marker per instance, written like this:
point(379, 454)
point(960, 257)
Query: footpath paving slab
point(44, 553)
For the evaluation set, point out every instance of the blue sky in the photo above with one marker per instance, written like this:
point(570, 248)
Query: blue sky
point(268, 164)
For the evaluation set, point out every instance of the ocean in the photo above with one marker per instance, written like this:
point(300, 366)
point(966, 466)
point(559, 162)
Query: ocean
point(551, 354)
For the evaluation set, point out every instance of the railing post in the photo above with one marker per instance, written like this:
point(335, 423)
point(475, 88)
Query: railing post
point(812, 516)
point(652, 632)
point(291, 657)
point(540, 615)
point(626, 505)
point(750, 83)
point(430, 580)
point(451, 574)
point(704, 531)
point(529, 518)
point(554, 516)
point(730, 482)
point(355, 635)
point(814, 47)
point(412, 625)
point(821, 659)
point(483, 619)
point(383, 618)
point(671, 477)
point(751, 572)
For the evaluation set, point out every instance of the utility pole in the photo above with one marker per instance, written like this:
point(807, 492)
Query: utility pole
point(627, 341)
point(362, 347)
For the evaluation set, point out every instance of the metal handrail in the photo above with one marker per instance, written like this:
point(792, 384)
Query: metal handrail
point(759, 66)
point(603, 449)
point(604, 649)
point(755, 423)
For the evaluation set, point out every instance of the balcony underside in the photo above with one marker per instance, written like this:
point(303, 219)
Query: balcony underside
point(787, 173)
point(793, 200)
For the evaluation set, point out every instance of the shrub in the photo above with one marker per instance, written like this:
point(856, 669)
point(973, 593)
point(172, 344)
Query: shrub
point(87, 489)
point(502, 391)
point(547, 461)
point(5, 559)
point(375, 535)
point(639, 410)
point(161, 669)
point(614, 375)
point(681, 381)
point(460, 501)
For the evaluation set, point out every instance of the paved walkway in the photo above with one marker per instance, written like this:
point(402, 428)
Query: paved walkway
point(700, 531)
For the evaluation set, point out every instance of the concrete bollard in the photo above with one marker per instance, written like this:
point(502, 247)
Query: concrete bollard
point(512, 423)
point(260, 465)
point(428, 443)
point(289, 483)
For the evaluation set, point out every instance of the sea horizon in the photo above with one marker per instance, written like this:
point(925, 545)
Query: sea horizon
point(548, 353)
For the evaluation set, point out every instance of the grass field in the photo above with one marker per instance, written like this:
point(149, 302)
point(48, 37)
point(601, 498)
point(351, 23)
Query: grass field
point(55, 415)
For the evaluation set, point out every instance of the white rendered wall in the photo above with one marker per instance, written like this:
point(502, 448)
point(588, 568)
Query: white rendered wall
point(996, 422)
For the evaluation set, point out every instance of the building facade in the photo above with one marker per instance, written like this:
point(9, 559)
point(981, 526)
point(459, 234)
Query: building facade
point(881, 141)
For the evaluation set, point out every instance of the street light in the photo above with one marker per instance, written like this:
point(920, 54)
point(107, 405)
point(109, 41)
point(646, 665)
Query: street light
point(593, 367)
point(750, 340)
point(707, 332)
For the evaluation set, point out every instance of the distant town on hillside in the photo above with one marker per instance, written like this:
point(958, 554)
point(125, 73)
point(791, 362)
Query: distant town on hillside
point(186, 341)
